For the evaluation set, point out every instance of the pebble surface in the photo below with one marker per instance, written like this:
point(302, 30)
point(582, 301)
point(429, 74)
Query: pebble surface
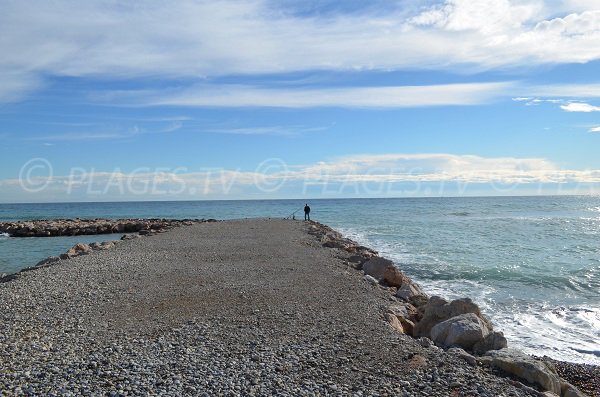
point(236, 308)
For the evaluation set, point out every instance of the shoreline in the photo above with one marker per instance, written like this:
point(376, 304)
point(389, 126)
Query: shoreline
point(332, 239)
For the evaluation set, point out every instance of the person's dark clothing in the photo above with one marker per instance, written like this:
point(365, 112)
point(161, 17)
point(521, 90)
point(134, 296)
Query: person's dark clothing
point(306, 213)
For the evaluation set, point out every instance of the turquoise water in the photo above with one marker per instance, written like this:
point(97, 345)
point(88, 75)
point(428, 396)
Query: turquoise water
point(531, 263)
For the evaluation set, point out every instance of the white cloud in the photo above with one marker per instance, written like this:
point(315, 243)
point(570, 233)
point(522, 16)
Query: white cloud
point(580, 107)
point(194, 39)
point(594, 129)
point(359, 172)
point(366, 97)
point(565, 90)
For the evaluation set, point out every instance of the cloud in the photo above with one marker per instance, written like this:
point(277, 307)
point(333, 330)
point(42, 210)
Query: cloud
point(580, 107)
point(369, 174)
point(104, 135)
point(594, 129)
point(196, 39)
point(354, 97)
point(565, 90)
point(273, 130)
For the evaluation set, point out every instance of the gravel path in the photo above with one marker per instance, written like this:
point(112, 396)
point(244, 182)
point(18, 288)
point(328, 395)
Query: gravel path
point(236, 308)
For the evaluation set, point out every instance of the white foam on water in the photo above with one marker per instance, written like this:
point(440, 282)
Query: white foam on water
point(568, 333)
point(4, 235)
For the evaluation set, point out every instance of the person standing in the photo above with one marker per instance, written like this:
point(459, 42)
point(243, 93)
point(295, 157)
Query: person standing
point(306, 212)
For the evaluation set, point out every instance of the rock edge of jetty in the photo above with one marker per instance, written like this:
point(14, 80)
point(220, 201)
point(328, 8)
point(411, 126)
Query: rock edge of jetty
point(457, 326)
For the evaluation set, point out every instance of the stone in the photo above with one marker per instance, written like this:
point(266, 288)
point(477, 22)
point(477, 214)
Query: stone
point(78, 249)
point(464, 331)
point(568, 390)
point(357, 259)
point(438, 309)
point(49, 260)
point(375, 267)
point(371, 280)
point(394, 277)
point(493, 341)
point(394, 322)
point(4, 277)
point(334, 244)
point(407, 325)
point(399, 310)
point(409, 291)
point(526, 367)
point(464, 355)
point(425, 342)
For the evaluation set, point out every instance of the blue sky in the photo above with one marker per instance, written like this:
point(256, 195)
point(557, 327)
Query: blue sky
point(259, 99)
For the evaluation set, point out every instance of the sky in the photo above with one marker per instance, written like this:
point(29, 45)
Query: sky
point(192, 100)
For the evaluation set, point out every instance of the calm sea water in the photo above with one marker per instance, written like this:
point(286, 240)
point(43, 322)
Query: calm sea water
point(531, 263)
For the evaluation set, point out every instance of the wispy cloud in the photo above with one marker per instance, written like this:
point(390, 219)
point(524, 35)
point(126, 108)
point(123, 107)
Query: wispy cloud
point(594, 129)
point(580, 107)
point(359, 97)
point(216, 38)
point(565, 91)
point(104, 135)
point(271, 130)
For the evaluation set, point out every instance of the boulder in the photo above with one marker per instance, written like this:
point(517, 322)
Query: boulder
point(394, 277)
point(375, 267)
point(394, 322)
point(464, 355)
point(526, 367)
point(438, 309)
point(493, 341)
point(78, 249)
point(463, 331)
point(407, 325)
point(334, 244)
point(384, 271)
point(410, 291)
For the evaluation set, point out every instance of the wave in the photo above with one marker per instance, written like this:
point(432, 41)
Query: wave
point(4, 235)
point(460, 213)
point(584, 351)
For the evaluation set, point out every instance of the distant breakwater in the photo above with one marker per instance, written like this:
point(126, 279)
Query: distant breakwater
point(78, 227)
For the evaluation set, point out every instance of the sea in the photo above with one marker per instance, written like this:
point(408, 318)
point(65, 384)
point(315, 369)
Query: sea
point(531, 263)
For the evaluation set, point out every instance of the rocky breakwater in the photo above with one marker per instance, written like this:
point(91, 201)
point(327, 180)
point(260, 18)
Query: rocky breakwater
point(77, 227)
point(457, 326)
point(134, 228)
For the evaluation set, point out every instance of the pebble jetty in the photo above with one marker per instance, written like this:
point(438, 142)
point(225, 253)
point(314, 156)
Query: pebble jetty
point(251, 308)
